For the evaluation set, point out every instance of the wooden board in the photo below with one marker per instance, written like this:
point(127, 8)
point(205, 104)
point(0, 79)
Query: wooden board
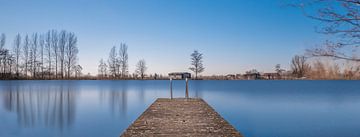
point(180, 117)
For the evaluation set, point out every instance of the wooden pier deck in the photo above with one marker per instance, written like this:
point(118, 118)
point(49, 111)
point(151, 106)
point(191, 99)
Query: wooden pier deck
point(180, 117)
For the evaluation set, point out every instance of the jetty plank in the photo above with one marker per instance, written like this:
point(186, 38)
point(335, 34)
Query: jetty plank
point(180, 117)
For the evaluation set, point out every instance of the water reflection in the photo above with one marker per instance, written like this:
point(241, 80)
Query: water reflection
point(116, 97)
point(198, 88)
point(106, 108)
point(52, 105)
point(142, 92)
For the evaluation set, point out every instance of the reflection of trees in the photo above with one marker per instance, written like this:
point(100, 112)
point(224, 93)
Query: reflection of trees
point(52, 105)
point(142, 91)
point(198, 88)
point(117, 97)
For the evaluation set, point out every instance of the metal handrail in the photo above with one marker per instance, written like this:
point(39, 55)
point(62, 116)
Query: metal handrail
point(186, 90)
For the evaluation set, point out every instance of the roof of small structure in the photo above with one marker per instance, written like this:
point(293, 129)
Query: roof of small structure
point(250, 74)
point(178, 73)
point(271, 74)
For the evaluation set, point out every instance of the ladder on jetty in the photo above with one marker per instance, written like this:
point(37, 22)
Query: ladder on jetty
point(180, 117)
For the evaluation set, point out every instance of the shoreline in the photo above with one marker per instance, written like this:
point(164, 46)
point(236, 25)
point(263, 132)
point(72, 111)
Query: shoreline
point(181, 79)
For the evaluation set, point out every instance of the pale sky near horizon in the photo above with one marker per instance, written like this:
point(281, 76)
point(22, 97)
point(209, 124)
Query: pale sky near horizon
point(234, 35)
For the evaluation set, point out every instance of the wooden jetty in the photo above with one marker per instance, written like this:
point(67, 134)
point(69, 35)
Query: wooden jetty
point(181, 117)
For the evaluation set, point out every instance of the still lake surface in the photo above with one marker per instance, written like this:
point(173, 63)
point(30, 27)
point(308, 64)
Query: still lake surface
point(107, 108)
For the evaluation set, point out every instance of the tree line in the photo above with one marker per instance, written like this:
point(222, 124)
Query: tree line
point(54, 55)
point(116, 66)
point(50, 55)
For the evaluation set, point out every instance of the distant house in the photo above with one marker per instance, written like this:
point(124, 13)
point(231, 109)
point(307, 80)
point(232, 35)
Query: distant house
point(252, 76)
point(239, 76)
point(230, 77)
point(271, 76)
point(179, 75)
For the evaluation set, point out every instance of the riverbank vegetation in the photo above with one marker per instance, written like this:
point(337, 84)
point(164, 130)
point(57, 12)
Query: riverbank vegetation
point(337, 57)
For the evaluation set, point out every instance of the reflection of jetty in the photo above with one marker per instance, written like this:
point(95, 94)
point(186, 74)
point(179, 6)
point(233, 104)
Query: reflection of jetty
point(180, 117)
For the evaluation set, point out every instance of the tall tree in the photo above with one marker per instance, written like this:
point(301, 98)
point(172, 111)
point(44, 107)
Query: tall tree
point(2, 40)
point(55, 48)
point(10, 62)
point(102, 69)
point(34, 54)
point(17, 52)
point(62, 44)
point(141, 68)
point(278, 68)
point(112, 61)
point(299, 66)
point(26, 53)
point(77, 70)
point(339, 19)
point(123, 58)
point(3, 52)
point(48, 52)
point(71, 53)
point(196, 63)
point(4, 57)
point(42, 46)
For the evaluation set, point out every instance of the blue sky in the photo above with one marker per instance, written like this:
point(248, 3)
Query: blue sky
point(234, 35)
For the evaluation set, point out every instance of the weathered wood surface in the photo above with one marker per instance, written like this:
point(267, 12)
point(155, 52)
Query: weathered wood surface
point(180, 117)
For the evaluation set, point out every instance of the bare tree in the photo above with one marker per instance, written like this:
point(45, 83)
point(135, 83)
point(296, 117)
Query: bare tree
point(77, 69)
point(141, 68)
point(278, 69)
point(123, 58)
point(117, 68)
point(102, 69)
point(42, 44)
point(299, 66)
point(71, 53)
point(10, 62)
point(62, 44)
point(4, 57)
point(112, 61)
point(17, 52)
point(26, 53)
point(252, 71)
point(55, 48)
point(340, 19)
point(196, 63)
point(48, 51)
point(33, 54)
point(3, 52)
point(2, 40)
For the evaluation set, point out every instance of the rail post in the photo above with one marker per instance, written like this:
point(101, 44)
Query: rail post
point(171, 93)
point(187, 88)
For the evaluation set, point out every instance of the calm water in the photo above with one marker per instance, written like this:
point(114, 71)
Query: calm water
point(106, 108)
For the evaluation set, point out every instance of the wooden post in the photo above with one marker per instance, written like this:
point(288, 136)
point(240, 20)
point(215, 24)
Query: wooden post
point(171, 94)
point(187, 88)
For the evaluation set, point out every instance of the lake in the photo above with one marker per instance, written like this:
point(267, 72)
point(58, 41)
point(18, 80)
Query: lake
point(107, 108)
